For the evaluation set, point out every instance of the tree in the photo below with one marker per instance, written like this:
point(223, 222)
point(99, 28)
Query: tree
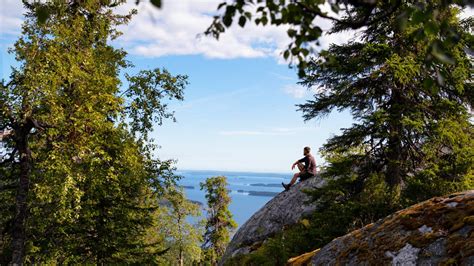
point(77, 160)
point(412, 138)
point(412, 135)
point(183, 238)
point(219, 219)
point(400, 106)
point(300, 17)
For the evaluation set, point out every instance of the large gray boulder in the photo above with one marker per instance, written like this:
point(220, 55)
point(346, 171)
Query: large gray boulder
point(285, 209)
point(439, 231)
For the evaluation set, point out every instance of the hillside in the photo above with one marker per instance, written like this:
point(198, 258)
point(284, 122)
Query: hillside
point(439, 230)
point(436, 231)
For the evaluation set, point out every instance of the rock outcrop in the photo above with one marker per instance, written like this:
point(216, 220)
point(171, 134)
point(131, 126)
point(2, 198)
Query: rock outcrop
point(285, 209)
point(436, 231)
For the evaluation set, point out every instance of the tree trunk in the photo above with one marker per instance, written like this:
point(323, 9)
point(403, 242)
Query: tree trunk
point(19, 222)
point(181, 237)
point(395, 150)
point(394, 173)
point(181, 259)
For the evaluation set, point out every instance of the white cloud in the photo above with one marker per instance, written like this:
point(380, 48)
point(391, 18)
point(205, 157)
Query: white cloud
point(467, 13)
point(174, 30)
point(295, 91)
point(177, 29)
point(11, 12)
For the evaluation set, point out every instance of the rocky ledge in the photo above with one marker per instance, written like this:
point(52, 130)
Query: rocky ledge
point(286, 208)
point(439, 231)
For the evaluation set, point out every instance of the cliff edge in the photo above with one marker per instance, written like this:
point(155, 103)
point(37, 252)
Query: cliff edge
point(285, 209)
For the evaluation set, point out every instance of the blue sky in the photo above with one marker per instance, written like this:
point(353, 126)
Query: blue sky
point(239, 115)
point(239, 111)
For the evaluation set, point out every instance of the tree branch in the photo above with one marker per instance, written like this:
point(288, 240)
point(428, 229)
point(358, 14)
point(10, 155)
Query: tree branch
point(353, 24)
point(317, 12)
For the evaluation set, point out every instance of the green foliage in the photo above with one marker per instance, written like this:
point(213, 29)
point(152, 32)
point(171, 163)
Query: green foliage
point(402, 112)
point(412, 138)
point(182, 237)
point(145, 95)
point(448, 167)
point(219, 222)
point(91, 183)
point(291, 242)
point(304, 33)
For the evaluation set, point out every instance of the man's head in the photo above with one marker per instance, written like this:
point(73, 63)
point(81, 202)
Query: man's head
point(306, 150)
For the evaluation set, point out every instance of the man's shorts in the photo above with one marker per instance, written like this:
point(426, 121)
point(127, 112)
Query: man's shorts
point(303, 176)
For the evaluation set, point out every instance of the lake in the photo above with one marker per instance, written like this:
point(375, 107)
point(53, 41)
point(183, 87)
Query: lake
point(249, 191)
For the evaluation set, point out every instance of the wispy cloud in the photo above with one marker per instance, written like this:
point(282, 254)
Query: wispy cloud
point(282, 77)
point(295, 91)
point(244, 133)
point(298, 92)
point(266, 132)
point(212, 98)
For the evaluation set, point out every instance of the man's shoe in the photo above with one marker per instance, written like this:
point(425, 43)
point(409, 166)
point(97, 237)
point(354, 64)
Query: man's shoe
point(286, 186)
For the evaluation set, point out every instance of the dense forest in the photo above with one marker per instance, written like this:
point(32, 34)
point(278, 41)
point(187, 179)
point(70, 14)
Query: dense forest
point(80, 182)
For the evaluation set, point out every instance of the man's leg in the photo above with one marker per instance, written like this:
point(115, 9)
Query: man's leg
point(301, 167)
point(293, 181)
point(295, 177)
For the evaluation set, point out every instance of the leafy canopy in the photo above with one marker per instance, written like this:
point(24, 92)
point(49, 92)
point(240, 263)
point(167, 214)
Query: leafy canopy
point(90, 183)
point(301, 18)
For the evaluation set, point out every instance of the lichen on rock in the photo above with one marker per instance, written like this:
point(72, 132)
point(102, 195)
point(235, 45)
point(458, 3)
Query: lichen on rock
point(436, 231)
point(407, 256)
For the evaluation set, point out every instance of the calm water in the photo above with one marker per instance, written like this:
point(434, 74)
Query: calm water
point(249, 191)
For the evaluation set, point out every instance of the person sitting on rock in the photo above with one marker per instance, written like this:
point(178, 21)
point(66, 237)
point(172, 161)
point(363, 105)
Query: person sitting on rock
point(307, 170)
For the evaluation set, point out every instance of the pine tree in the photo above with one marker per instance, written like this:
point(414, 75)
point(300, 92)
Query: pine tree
point(412, 139)
point(219, 221)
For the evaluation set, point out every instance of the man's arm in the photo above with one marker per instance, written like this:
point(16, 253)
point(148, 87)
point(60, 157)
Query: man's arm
point(302, 160)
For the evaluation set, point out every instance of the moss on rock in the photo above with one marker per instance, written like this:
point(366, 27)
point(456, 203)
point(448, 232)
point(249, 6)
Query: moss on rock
point(436, 231)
